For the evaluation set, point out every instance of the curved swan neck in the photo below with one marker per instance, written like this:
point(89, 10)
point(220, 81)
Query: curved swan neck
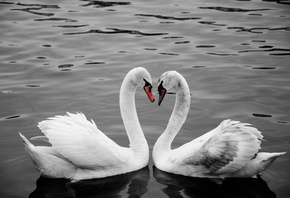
point(134, 131)
point(179, 114)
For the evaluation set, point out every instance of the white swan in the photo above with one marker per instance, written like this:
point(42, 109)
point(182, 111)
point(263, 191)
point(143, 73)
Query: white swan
point(81, 151)
point(229, 150)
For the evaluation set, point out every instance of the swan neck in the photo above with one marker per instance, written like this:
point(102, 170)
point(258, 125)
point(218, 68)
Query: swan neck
point(131, 122)
point(178, 116)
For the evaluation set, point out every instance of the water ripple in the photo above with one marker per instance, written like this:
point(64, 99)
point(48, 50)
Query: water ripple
point(70, 26)
point(224, 9)
point(64, 66)
point(6, 3)
point(285, 2)
point(168, 17)
point(211, 23)
point(33, 7)
point(117, 31)
point(204, 46)
point(102, 4)
point(182, 42)
point(270, 50)
point(259, 30)
point(261, 115)
point(169, 54)
point(56, 19)
point(94, 63)
point(221, 54)
point(173, 37)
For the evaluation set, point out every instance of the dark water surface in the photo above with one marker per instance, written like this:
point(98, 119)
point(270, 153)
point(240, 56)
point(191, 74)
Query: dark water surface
point(69, 55)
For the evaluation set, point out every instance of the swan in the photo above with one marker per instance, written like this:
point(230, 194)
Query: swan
point(79, 150)
point(229, 150)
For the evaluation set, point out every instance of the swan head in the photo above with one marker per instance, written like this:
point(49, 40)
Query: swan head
point(168, 80)
point(142, 78)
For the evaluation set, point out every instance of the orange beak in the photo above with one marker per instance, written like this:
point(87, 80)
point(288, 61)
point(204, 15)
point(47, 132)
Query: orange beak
point(148, 90)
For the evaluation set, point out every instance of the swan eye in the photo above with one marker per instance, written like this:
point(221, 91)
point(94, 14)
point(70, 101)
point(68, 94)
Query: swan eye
point(147, 83)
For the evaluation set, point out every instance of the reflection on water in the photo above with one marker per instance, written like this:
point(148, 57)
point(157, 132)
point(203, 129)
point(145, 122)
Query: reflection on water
point(135, 185)
point(178, 186)
point(128, 185)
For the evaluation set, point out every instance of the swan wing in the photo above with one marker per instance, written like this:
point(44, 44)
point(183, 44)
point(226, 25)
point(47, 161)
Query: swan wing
point(225, 149)
point(81, 142)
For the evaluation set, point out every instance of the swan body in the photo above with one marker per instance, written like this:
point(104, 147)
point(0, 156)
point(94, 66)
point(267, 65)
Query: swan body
point(79, 150)
point(229, 150)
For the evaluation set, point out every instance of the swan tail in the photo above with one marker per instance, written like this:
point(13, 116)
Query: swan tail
point(258, 164)
point(48, 162)
point(267, 158)
point(27, 144)
point(31, 150)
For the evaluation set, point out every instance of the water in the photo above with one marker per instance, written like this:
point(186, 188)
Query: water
point(59, 56)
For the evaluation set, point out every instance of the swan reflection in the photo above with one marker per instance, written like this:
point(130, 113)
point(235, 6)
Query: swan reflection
point(178, 186)
point(135, 183)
